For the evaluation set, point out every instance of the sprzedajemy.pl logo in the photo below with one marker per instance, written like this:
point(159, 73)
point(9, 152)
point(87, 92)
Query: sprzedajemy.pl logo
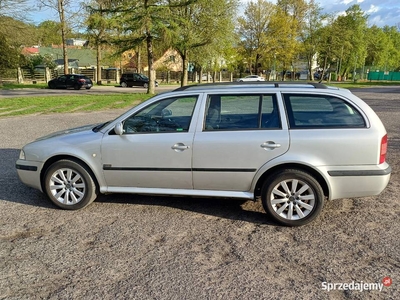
point(357, 286)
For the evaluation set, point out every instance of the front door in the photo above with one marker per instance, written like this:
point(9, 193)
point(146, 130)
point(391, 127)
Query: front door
point(155, 149)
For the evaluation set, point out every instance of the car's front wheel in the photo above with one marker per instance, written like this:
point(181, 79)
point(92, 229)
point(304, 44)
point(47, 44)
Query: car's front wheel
point(292, 197)
point(69, 185)
point(145, 85)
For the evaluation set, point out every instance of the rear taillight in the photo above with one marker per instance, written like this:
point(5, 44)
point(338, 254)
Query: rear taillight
point(382, 156)
point(82, 80)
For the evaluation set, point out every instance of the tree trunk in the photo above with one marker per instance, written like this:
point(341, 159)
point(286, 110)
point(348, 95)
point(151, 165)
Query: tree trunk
point(185, 60)
point(98, 62)
point(139, 58)
point(63, 34)
point(150, 59)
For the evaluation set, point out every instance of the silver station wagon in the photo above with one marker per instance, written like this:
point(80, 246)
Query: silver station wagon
point(292, 145)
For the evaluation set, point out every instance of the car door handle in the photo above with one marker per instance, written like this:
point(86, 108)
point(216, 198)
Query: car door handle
point(179, 147)
point(270, 145)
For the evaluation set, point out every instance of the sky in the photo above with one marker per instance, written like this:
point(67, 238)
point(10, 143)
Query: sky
point(381, 12)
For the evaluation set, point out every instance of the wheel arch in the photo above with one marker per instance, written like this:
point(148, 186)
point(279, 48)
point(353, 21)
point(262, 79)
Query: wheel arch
point(304, 168)
point(56, 158)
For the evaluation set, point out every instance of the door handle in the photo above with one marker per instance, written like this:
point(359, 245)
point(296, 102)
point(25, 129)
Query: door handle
point(179, 147)
point(270, 145)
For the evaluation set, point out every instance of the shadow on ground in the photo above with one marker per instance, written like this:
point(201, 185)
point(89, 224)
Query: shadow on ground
point(13, 190)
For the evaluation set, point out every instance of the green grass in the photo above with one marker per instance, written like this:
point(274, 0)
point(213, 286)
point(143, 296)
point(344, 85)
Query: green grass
point(13, 86)
point(57, 104)
point(361, 84)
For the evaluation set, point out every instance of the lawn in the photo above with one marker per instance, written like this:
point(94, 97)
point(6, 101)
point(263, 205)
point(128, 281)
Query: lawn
point(58, 104)
point(361, 84)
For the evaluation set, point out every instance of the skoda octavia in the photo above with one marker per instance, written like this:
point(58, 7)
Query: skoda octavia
point(292, 145)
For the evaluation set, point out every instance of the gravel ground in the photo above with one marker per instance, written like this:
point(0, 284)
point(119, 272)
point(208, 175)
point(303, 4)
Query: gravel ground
point(139, 247)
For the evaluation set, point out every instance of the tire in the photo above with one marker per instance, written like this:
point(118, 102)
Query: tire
point(52, 85)
point(292, 197)
point(69, 185)
point(123, 84)
point(77, 87)
point(145, 85)
point(88, 88)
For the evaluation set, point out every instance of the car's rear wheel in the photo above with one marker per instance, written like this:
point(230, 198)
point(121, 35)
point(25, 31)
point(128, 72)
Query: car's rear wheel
point(77, 86)
point(69, 185)
point(124, 84)
point(292, 197)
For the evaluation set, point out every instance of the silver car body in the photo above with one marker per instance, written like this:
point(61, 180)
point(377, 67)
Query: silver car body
point(220, 163)
point(251, 78)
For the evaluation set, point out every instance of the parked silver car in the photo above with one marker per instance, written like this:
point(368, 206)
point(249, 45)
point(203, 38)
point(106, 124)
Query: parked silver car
point(251, 78)
point(294, 145)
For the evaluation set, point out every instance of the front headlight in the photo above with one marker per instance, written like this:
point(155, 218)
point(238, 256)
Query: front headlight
point(22, 154)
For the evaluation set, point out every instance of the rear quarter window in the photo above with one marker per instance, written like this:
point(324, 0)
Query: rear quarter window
point(321, 111)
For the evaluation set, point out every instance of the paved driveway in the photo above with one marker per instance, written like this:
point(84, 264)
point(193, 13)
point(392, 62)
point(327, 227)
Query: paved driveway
point(95, 90)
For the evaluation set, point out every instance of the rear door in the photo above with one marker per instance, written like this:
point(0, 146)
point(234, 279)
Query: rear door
point(239, 134)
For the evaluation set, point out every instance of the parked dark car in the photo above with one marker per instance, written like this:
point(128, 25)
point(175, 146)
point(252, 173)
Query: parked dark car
point(75, 81)
point(134, 79)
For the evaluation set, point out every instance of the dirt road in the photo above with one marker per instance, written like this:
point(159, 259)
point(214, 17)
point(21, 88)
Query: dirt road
point(137, 247)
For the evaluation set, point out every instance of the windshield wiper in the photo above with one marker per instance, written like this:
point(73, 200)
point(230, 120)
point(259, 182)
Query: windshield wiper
point(100, 126)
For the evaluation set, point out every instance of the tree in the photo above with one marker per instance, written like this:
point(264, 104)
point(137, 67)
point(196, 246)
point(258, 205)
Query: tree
point(9, 55)
point(346, 38)
point(143, 21)
point(309, 35)
point(255, 31)
point(49, 33)
point(290, 18)
point(16, 9)
point(391, 52)
point(199, 24)
point(99, 23)
point(64, 11)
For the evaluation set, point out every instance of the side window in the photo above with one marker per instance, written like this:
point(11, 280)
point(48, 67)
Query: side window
point(241, 112)
point(168, 115)
point(320, 111)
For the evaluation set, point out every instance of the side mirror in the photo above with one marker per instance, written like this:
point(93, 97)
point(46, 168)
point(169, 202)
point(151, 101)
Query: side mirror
point(118, 129)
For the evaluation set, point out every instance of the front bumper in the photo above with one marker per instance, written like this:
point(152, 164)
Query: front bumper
point(29, 173)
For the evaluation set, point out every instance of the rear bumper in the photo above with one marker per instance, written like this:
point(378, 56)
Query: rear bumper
point(347, 183)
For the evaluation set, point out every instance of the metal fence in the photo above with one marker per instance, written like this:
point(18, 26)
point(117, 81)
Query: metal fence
point(387, 76)
point(43, 75)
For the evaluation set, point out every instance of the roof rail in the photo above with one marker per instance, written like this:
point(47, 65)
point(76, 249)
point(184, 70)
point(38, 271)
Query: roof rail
point(265, 84)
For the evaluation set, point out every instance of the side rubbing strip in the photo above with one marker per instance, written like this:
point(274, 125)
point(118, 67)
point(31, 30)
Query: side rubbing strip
point(26, 168)
point(361, 173)
point(110, 168)
point(223, 170)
